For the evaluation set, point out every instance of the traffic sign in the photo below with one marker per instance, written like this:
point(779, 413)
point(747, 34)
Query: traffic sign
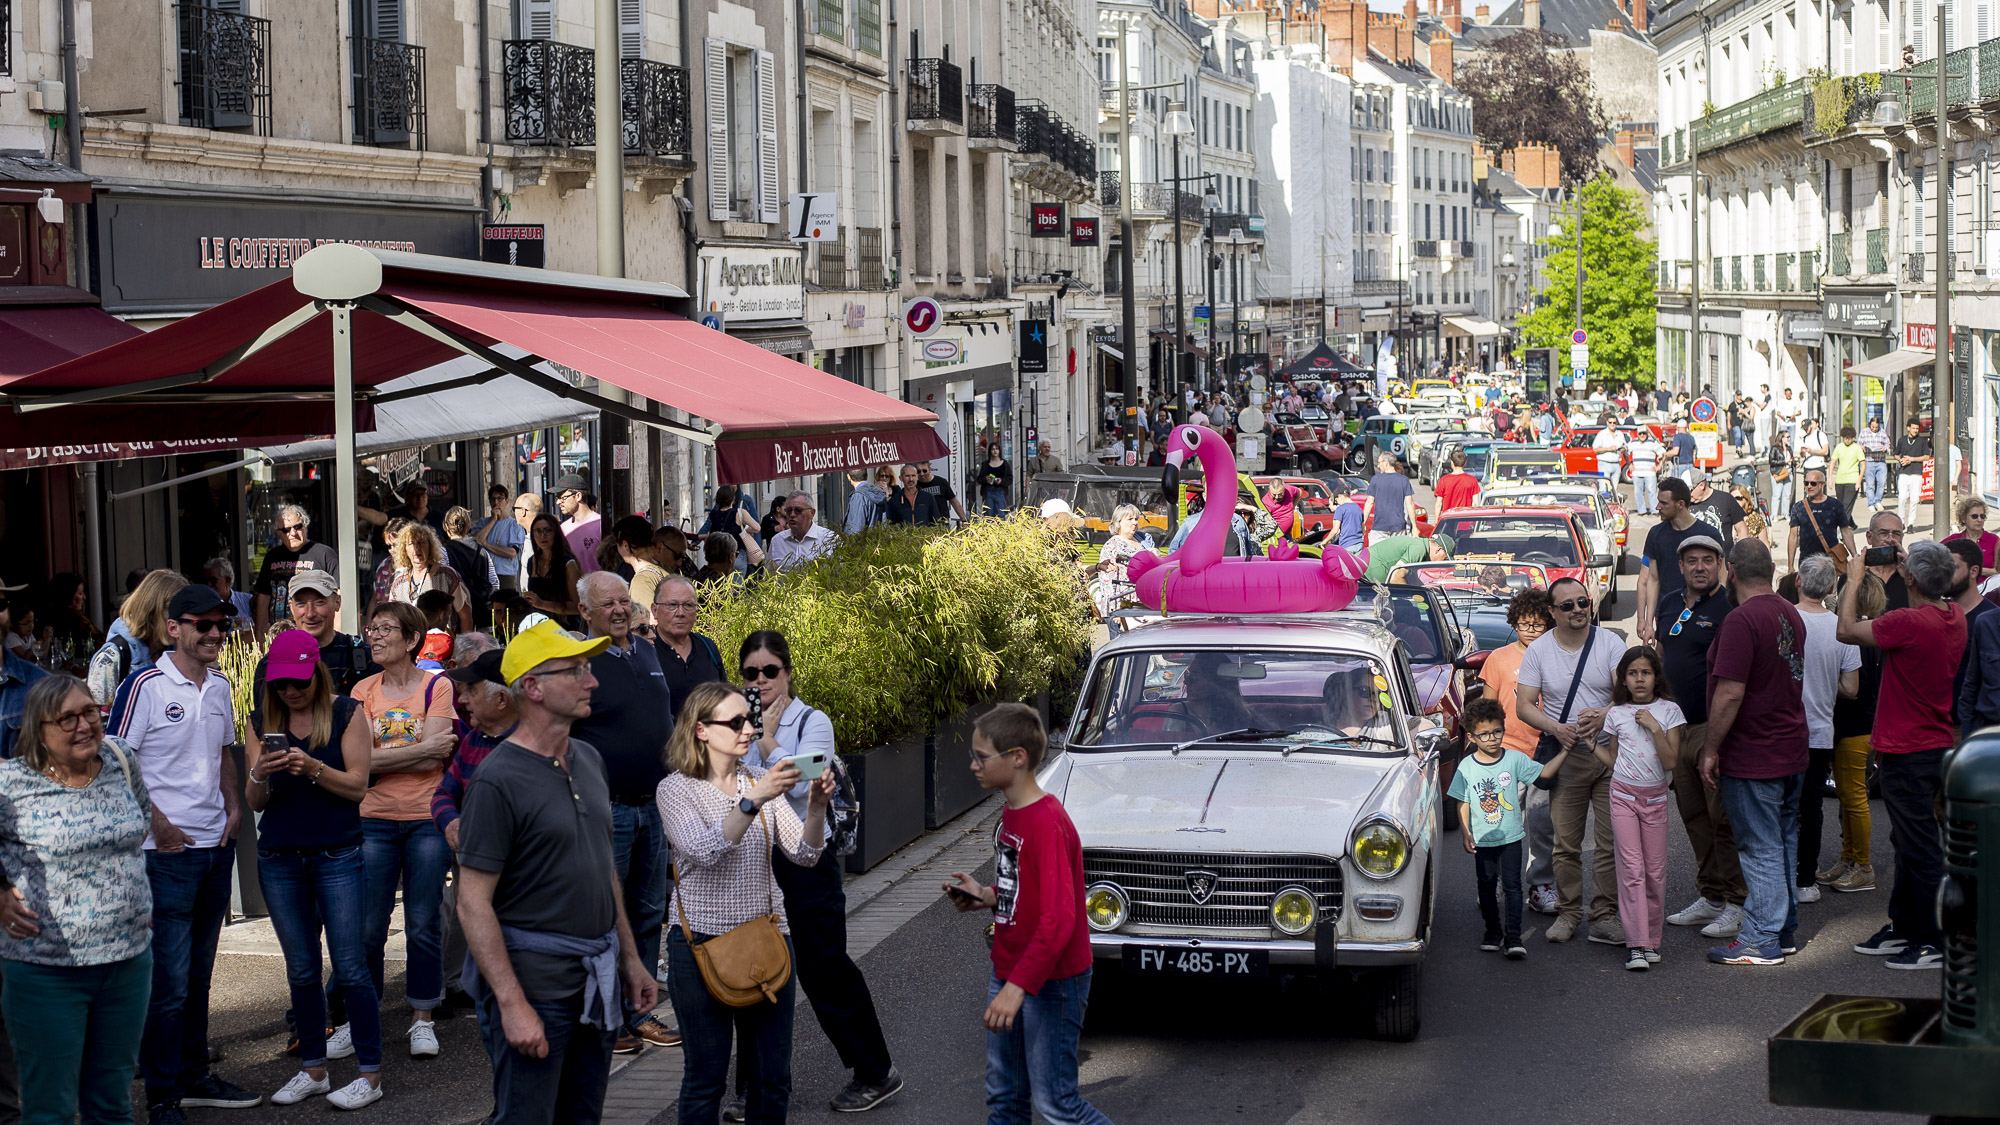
point(1579, 355)
point(1579, 337)
point(1703, 409)
point(922, 316)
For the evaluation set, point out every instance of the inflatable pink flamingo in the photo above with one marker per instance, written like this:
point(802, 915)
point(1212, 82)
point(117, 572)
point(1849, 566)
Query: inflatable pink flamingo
point(1197, 579)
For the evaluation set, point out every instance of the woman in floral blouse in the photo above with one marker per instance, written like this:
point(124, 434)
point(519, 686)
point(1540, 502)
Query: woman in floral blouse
point(76, 928)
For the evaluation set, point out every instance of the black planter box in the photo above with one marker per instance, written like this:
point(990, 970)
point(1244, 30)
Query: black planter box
point(890, 783)
point(949, 787)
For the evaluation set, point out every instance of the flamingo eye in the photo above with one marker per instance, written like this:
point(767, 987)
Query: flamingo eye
point(1192, 436)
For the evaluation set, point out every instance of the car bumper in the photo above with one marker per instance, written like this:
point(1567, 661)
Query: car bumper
point(1300, 953)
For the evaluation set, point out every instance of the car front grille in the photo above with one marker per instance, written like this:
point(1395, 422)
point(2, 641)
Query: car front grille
point(1159, 887)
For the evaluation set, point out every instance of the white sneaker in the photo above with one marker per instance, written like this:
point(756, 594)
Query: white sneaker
point(301, 1087)
point(423, 1040)
point(1726, 924)
point(356, 1094)
point(340, 1044)
point(1806, 894)
point(1697, 912)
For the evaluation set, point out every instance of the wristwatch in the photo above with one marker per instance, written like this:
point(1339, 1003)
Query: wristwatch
point(748, 806)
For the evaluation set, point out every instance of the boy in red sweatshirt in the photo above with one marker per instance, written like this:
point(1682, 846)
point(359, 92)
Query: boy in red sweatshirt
point(1041, 946)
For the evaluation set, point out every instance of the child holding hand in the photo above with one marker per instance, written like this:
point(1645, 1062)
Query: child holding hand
point(1641, 745)
point(1492, 783)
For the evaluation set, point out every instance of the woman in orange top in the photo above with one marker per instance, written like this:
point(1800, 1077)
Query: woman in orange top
point(1531, 614)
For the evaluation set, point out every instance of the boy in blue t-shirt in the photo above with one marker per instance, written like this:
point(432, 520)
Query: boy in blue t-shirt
point(1492, 784)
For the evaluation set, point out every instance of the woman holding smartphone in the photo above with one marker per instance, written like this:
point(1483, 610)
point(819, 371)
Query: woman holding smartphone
point(814, 900)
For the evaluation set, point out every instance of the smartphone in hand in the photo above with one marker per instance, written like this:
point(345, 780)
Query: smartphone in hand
point(809, 765)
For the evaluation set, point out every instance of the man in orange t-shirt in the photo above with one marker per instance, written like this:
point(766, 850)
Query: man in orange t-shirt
point(1531, 615)
point(1457, 488)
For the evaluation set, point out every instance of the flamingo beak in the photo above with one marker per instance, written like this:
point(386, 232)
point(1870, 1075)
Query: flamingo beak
point(1176, 458)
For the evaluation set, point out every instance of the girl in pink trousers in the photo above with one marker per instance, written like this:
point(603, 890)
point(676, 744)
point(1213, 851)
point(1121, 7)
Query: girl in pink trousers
point(1641, 744)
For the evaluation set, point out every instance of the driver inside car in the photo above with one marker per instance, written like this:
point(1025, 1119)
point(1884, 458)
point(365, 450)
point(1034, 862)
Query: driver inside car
point(1214, 701)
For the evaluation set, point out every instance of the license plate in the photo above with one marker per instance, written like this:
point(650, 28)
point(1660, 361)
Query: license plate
point(1179, 961)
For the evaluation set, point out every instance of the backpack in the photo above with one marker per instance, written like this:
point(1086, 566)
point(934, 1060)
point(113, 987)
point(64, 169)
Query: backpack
point(843, 814)
point(471, 567)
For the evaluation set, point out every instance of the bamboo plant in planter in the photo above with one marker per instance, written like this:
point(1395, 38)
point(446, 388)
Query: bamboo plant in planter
point(898, 632)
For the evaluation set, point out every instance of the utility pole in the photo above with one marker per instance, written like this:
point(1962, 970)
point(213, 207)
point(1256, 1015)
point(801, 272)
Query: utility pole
point(1180, 290)
point(1694, 229)
point(1134, 401)
point(1944, 370)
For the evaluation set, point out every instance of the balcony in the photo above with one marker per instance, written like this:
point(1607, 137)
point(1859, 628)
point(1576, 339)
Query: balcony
point(1717, 284)
point(853, 262)
point(1919, 83)
point(1759, 281)
point(1784, 272)
point(1378, 287)
point(551, 92)
point(868, 272)
point(654, 97)
point(1878, 251)
point(388, 93)
point(1424, 248)
point(1053, 143)
point(1780, 107)
point(1237, 226)
point(1107, 189)
point(1836, 107)
point(1159, 202)
point(225, 69)
point(1466, 249)
point(1736, 272)
point(992, 126)
point(1913, 267)
point(832, 264)
point(1839, 264)
point(936, 98)
point(1808, 271)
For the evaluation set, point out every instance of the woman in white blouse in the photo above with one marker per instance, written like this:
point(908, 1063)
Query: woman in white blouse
point(723, 819)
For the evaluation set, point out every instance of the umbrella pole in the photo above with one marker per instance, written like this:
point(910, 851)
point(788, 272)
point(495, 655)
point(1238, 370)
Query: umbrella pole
point(345, 500)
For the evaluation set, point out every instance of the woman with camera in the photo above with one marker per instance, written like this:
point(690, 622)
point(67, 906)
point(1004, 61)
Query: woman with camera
point(725, 824)
point(310, 774)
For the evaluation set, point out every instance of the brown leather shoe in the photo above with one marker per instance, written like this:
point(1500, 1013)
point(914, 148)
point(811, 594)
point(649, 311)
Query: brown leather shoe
point(628, 1045)
point(655, 1031)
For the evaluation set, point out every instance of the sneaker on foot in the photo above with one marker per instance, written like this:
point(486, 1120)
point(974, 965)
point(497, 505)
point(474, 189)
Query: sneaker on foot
point(1542, 898)
point(213, 1092)
point(1562, 929)
point(1652, 956)
point(301, 1087)
point(733, 1110)
point(356, 1094)
point(340, 1042)
point(1737, 953)
point(1607, 932)
point(1490, 943)
point(1726, 924)
point(1635, 960)
point(628, 1045)
point(423, 1040)
point(1806, 894)
point(654, 1030)
point(1833, 874)
point(1698, 912)
point(1860, 877)
point(1515, 950)
point(165, 1113)
point(860, 1096)
point(1885, 942)
point(1917, 957)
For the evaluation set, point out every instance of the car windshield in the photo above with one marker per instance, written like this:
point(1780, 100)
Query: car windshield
point(1097, 499)
point(1476, 458)
point(1514, 466)
point(1548, 498)
point(1299, 698)
point(1536, 539)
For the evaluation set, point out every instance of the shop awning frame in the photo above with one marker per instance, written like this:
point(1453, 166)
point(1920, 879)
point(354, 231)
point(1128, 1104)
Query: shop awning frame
point(1891, 363)
point(1473, 327)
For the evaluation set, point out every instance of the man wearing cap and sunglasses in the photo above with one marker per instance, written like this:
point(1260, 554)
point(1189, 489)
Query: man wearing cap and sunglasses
point(1684, 626)
point(543, 916)
point(178, 719)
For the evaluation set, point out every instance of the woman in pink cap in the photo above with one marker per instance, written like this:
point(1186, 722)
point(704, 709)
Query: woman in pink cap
point(310, 774)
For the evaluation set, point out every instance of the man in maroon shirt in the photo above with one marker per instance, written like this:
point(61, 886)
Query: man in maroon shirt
point(1755, 750)
point(1921, 647)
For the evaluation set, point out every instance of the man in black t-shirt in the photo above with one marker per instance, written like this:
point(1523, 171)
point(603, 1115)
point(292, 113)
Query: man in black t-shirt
point(1818, 522)
point(1909, 454)
point(1717, 509)
point(1659, 559)
point(940, 490)
point(294, 552)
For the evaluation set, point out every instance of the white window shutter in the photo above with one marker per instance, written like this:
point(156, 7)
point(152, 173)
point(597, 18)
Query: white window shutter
point(538, 19)
point(1983, 22)
point(717, 63)
point(767, 138)
point(631, 29)
point(1885, 47)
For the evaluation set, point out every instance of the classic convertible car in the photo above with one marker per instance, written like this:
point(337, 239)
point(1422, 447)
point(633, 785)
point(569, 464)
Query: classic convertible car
point(1258, 795)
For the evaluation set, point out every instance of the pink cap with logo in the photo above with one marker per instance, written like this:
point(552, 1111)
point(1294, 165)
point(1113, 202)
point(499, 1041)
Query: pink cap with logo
point(292, 656)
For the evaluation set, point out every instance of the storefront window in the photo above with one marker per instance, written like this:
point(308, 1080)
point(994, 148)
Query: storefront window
point(1988, 429)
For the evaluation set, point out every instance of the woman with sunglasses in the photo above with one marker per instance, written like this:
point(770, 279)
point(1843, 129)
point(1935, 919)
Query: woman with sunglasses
point(1971, 519)
point(552, 571)
point(75, 927)
point(310, 773)
point(725, 823)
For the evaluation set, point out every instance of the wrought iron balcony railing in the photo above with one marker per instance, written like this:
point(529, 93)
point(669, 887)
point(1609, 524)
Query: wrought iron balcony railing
point(654, 97)
point(1107, 189)
point(1914, 266)
point(1038, 130)
point(832, 265)
point(868, 259)
point(1878, 250)
point(388, 93)
point(1808, 271)
point(551, 91)
point(225, 69)
point(992, 108)
point(1736, 272)
point(1425, 248)
point(1784, 271)
point(1760, 280)
point(936, 91)
point(1840, 261)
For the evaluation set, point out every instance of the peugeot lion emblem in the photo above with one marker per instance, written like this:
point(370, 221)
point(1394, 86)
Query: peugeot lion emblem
point(1201, 885)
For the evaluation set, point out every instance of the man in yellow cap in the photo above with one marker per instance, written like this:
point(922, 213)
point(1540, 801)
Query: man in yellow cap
point(540, 902)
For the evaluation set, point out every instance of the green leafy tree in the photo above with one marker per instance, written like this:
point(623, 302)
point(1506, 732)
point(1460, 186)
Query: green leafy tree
point(1618, 309)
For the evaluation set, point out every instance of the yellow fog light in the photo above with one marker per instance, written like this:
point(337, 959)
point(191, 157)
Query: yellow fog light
point(1293, 911)
point(1380, 850)
point(1105, 906)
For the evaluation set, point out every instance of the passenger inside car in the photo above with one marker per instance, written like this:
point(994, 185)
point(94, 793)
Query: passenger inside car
point(1353, 705)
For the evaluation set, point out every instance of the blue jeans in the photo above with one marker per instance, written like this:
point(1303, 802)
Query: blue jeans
point(76, 1037)
point(305, 890)
point(1764, 814)
point(567, 1084)
point(763, 1034)
point(1736, 437)
point(1645, 493)
point(994, 500)
point(190, 901)
point(639, 852)
point(1874, 478)
point(412, 853)
point(1032, 1068)
point(1781, 499)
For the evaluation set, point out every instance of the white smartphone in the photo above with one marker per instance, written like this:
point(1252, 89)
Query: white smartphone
point(810, 765)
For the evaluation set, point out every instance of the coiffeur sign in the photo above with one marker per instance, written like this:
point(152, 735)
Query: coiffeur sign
point(767, 458)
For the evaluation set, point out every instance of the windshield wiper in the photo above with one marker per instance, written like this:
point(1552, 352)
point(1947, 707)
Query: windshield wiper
point(1335, 736)
point(1247, 734)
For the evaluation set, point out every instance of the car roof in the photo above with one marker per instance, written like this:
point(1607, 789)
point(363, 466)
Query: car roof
point(1351, 630)
point(1549, 510)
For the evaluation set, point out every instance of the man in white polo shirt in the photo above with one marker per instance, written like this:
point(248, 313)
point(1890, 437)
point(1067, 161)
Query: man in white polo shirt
point(178, 720)
point(803, 540)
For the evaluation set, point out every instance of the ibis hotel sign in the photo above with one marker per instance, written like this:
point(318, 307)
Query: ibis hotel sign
point(751, 283)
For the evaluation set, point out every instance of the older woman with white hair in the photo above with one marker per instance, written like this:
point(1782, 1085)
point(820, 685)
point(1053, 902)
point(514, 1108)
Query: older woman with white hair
point(1831, 669)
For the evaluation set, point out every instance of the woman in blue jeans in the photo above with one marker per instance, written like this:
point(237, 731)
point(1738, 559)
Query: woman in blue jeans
point(994, 477)
point(310, 773)
point(723, 819)
point(75, 934)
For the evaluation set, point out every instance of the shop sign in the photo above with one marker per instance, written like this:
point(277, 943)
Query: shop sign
point(771, 458)
point(516, 244)
point(1866, 313)
point(42, 456)
point(1034, 347)
point(1804, 328)
point(1920, 336)
point(751, 283)
point(1083, 232)
point(1048, 219)
point(178, 254)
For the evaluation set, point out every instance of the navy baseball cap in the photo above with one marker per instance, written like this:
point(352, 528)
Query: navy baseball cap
point(196, 599)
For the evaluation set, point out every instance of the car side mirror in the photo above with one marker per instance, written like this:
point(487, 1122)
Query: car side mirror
point(1602, 561)
point(1473, 662)
point(1432, 742)
point(1057, 743)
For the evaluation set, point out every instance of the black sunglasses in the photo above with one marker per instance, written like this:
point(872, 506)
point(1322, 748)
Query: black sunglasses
point(1573, 604)
point(767, 671)
point(735, 724)
point(289, 684)
point(200, 626)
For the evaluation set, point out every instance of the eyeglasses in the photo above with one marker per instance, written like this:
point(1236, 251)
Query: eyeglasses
point(979, 759)
point(767, 672)
point(204, 625)
point(520, 507)
point(797, 511)
point(676, 607)
point(290, 528)
point(73, 721)
point(568, 492)
point(735, 724)
point(1814, 483)
point(1686, 614)
point(381, 630)
point(1493, 735)
point(1572, 605)
point(290, 685)
point(569, 671)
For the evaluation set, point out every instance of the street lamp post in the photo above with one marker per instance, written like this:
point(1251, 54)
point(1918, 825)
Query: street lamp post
point(1178, 125)
point(1944, 430)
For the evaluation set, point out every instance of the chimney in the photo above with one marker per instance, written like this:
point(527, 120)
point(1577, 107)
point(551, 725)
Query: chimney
point(1482, 15)
point(1441, 57)
point(1614, 25)
point(1434, 9)
point(1625, 144)
point(1409, 9)
point(1453, 20)
point(1480, 165)
point(1346, 25)
point(1639, 14)
point(1531, 13)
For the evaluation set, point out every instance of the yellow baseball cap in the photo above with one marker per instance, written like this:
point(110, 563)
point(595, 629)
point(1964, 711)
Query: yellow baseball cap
point(534, 647)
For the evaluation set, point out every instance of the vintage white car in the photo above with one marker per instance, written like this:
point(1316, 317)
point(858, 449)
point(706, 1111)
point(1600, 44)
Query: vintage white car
point(1257, 795)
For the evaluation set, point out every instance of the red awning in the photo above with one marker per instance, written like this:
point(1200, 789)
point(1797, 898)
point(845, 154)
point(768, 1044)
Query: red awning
point(769, 416)
point(39, 336)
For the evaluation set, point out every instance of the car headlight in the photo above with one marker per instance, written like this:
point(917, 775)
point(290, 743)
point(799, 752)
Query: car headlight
point(1105, 906)
point(1294, 910)
point(1380, 850)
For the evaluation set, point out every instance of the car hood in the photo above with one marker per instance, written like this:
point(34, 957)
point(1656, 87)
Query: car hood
point(1221, 800)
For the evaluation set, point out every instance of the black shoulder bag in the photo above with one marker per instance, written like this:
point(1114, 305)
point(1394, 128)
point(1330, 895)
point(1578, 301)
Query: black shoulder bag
point(1548, 745)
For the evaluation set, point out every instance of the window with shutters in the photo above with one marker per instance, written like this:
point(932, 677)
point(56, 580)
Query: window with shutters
point(225, 66)
point(868, 26)
point(631, 29)
point(388, 76)
point(534, 19)
point(741, 98)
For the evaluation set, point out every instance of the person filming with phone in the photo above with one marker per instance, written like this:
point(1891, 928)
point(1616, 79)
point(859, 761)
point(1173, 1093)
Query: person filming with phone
point(814, 901)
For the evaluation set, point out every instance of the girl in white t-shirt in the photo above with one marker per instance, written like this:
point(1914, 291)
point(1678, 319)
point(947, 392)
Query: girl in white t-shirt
point(1641, 744)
